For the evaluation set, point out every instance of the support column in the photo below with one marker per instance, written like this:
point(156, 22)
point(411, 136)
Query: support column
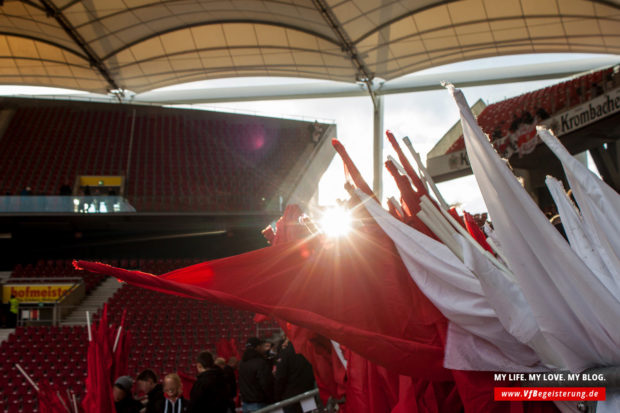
point(377, 148)
point(607, 161)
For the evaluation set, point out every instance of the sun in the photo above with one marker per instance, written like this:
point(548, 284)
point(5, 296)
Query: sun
point(335, 222)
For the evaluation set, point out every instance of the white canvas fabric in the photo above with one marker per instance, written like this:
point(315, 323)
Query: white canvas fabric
point(477, 340)
point(598, 202)
point(580, 240)
point(573, 309)
point(507, 299)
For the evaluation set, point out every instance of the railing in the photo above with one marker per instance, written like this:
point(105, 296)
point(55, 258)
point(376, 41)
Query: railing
point(103, 204)
point(308, 401)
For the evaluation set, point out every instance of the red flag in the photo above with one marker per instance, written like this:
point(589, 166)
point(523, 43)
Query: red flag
point(476, 232)
point(52, 399)
point(315, 348)
point(188, 382)
point(354, 290)
point(227, 348)
point(411, 201)
point(417, 182)
point(98, 397)
point(120, 367)
point(352, 170)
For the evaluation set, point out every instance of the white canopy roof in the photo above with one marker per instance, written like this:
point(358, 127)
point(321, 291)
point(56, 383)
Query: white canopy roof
point(140, 45)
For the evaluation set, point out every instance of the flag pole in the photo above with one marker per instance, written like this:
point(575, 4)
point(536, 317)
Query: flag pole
point(425, 175)
point(90, 335)
point(75, 407)
point(62, 401)
point(401, 169)
point(32, 383)
point(118, 336)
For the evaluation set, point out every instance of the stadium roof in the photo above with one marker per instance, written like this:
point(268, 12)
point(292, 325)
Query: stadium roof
point(140, 45)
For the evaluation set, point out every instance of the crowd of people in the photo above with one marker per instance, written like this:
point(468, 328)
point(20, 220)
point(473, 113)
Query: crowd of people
point(268, 372)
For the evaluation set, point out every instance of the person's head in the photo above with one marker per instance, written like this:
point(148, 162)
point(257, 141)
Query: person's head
point(204, 361)
point(264, 348)
point(147, 380)
point(122, 388)
point(220, 362)
point(285, 343)
point(173, 387)
point(261, 346)
point(12, 295)
point(233, 362)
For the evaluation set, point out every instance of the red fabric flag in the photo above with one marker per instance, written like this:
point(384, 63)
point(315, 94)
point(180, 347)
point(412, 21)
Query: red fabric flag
point(354, 290)
point(227, 348)
point(329, 373)
point(188, 382)
point(52, 399)
point(411, 201)
point(417, 182)
point(476, 232)
point(352, 170)
point(456, 216)
point(98, 397)
point(315, 348)
point(120, 366)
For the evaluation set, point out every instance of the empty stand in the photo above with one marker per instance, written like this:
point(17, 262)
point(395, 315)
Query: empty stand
point(56, 269)
point(173, 159)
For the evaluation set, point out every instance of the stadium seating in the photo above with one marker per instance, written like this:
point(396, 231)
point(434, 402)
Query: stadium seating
point(174, 160)
point(495, 119)
point(55, 269)
point(167, 333)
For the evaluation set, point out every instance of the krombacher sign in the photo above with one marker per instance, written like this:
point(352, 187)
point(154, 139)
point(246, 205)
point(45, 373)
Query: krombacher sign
point(456, 164)
point(586, 113)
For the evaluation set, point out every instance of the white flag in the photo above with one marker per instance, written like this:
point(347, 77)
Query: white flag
point(574, 311)
point(476, 338)
point(599, 204)
point(580, 240)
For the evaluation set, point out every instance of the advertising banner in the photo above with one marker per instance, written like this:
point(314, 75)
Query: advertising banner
point(34, 293)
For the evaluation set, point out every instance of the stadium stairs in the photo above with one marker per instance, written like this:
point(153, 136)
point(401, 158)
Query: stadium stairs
point(93, 302)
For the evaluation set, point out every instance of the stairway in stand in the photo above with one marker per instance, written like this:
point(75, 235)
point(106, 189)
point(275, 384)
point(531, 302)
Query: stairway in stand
point(93, 302)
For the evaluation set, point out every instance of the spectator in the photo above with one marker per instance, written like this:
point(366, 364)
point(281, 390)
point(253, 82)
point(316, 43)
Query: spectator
point(527, 118)
point(516, 121)
point(121, 393)
point(596, 90)
point(255, 378)
point(497, 133)
point(26, 191)
point(148, 383)
point(230, 379)
point(293, 376)
point(542, 114)
point(209, 392)
point(173, 390)
point(13, 311)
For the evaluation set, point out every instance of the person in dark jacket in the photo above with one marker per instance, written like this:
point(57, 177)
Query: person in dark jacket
point(293, 376)
point(231, 381)
point(173, 390)
point(121, 392)
point(209, 392)
point(255, 377)
point(148, 383)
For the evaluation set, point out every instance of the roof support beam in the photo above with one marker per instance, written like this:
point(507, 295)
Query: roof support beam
point(52, 11)
point(363, 73)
